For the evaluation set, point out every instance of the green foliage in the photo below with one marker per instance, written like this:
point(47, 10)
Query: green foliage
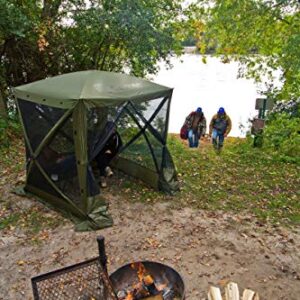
point(282, 134)
point(263, 35)
point(9, 129)
point(46, 38)
point(3, 133)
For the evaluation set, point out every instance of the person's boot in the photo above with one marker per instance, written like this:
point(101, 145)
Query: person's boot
point(215, 144)
point(219, 148)
point(109, 172)
point(103, 183)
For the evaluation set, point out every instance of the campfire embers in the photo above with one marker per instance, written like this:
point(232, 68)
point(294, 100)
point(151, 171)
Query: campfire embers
point(146, 287)
point(148, 281)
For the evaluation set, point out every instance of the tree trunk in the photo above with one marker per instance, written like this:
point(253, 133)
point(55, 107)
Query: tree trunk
point(3, 108)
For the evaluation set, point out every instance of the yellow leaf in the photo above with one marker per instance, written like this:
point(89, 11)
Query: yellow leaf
point(21, 262)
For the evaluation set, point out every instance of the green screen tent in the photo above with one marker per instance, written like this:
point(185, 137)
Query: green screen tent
point(67, 115)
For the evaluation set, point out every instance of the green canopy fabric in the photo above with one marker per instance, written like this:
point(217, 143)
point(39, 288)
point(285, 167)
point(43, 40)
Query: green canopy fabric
point(99, 87)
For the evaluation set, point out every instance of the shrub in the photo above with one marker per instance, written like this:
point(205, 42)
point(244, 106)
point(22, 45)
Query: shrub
point(9, 129)
point(282, 131)
point(4, 140)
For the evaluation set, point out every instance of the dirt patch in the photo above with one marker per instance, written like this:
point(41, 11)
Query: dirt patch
point(205, 248)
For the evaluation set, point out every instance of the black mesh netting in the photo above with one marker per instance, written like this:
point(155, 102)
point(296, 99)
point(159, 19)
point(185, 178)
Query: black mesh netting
point(143, 127)
point(38, 120)
point(58, 159)
point(52, 168)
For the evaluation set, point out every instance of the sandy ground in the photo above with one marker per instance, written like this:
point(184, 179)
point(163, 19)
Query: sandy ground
point(205, 248)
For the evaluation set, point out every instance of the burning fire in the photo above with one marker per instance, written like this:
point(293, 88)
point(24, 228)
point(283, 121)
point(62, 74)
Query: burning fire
point(146, 287)
point(141, 270)
point(129, 296)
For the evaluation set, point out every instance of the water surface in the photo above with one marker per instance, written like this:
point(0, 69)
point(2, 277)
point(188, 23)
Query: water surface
point(209, 86)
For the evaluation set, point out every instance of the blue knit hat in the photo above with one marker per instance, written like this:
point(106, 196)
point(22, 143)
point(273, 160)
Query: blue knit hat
point(221, 110)
point(199, 110)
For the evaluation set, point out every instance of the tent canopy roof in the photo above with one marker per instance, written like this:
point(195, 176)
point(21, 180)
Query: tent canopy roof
point(100, 88)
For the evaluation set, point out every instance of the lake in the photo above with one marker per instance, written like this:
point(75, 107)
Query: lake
point(209, 86)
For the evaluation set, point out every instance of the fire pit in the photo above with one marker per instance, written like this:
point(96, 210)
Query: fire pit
point(147, 280)
point(88, 280)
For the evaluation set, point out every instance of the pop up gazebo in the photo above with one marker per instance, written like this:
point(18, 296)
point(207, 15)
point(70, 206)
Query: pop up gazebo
point(65, 126)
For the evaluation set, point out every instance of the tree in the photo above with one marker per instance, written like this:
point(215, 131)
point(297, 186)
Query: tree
point(263, 35)
point(50, 37)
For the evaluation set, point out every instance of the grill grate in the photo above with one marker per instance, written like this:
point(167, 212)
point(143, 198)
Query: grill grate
point(84, 281)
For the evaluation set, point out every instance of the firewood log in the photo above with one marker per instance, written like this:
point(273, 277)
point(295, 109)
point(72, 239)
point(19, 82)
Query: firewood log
point(250, 295)
point(232, 291)
point(214, 293)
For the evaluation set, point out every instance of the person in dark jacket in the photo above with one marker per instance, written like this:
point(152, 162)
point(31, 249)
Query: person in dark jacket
point(219, 128)
point(196, 124)
point(105, 156)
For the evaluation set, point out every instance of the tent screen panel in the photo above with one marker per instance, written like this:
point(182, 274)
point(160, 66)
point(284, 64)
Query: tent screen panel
point(38, 120)
point(159, 121)
point(102, 141)
point(148, 108)
point(142, 142)
point(157, 148)
point(100, 124)
point(126, 127)
point(140, 153)
point(38, 180)
point(152, 114)
point(59, 161)
point(169, 171)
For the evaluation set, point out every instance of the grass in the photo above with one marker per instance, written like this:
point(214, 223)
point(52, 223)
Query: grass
point(240, 179)
point(32, 221)
point(35, 218)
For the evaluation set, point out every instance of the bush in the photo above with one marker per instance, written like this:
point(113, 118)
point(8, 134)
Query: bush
point(291, 108)
point(9, 129)
point(4, 140)
point(282, 131)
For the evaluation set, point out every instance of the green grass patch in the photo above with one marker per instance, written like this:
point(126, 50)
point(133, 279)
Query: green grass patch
point(32, 220)
point(240, 179)
point(10, 221)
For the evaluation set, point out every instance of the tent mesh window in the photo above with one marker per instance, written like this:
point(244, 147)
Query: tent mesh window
point(50, 164)
point(38, 120)
point(140, 153)
point(54, 167)
point(59, 161)
point(100, 123)
point(126, 126)
point(86, 280)
point(142, 127)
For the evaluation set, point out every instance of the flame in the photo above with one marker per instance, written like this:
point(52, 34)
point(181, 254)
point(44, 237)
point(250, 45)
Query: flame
point(144, 279)
point(129, 296)
point(148, 280)
point(141, 270)
point(160, 287)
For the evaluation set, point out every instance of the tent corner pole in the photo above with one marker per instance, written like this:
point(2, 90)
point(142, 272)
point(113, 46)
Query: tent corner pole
point(80, 142)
